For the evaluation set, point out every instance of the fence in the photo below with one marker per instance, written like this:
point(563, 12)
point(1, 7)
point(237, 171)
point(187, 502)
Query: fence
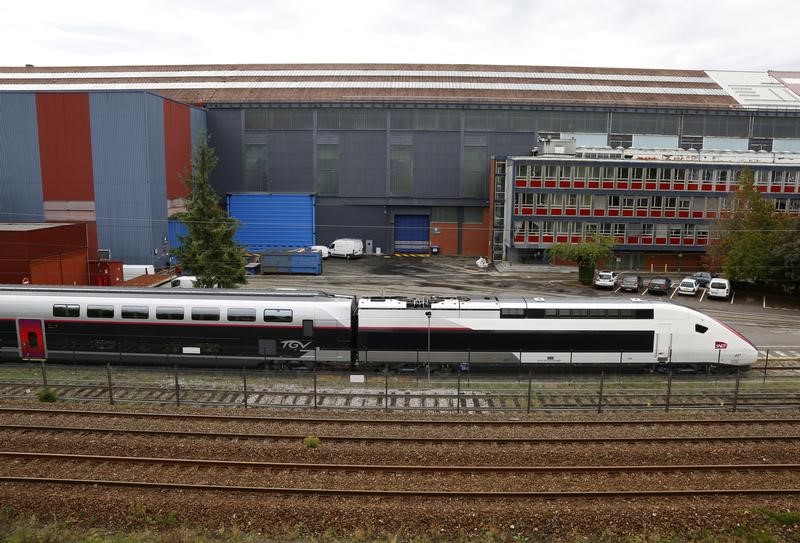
point(775, 387)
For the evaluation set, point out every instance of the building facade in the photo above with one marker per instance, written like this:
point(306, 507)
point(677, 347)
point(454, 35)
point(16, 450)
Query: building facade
point(408, 157)
point(660, 205)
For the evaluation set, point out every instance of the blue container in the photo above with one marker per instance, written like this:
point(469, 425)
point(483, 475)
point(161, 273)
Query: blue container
point(291, 261)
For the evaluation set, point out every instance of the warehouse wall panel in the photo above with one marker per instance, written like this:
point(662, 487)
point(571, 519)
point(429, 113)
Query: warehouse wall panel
point(65, 146)
point(20, 170)
point(362, 163)
point(121, 128)
point(177, 147)
point(225, 129)
point(437, 164)
point(290, 162)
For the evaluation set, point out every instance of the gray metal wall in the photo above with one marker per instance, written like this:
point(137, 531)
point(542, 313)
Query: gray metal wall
point(353, 221)
point(291, 161)
point(362, 163)
point(129, 174)
point(20, 171)
point(437, 164)
point(225, 128)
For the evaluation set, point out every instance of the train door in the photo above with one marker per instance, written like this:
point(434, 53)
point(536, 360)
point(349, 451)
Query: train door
point(663, 344)
point(31, 339)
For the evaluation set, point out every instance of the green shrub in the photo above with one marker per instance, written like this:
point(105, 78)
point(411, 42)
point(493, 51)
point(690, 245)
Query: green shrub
point(311, 442)
point(47, 395)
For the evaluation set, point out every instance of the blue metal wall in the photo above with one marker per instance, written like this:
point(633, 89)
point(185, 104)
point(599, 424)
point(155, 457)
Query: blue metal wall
point(273, 220)
point(129, 174)
point(20, 171)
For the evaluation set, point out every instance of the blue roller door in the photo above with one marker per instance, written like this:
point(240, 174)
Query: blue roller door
point(273, 220)
point(411, 233)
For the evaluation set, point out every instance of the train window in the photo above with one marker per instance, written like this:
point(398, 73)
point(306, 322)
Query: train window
point(277, 315)
point(308, 328)
point(550, 313)
point(580, 313)
point(169, 313)
point(612, 313)
point(135, 312)
point(100, 311)
point(205, 313)
point(535, 313)
point(627, 314)
point(66, 310)
point(238, 314)
point(564, 313)
point(644, 313)
point(597, 313)
point(512, 313)
point(700, 328)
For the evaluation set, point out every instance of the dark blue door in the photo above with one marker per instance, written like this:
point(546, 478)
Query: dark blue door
point(411, 233)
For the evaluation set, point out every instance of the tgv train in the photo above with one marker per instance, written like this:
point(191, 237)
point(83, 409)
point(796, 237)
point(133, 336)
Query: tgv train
point(290, 328)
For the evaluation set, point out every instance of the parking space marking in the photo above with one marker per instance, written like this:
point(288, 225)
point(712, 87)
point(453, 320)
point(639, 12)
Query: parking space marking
point(703, 294)
point(673, 292)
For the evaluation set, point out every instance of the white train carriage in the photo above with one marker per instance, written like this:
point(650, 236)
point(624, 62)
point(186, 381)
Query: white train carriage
point(501, 331)
point(194, 327)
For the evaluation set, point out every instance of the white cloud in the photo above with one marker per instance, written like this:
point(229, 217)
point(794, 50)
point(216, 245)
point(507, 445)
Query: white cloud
point(678, 34)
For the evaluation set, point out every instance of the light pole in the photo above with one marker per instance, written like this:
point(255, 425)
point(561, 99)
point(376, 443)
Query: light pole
point(428, 364)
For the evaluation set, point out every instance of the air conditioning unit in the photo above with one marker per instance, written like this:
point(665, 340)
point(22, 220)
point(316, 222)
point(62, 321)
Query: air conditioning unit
point(104, 255)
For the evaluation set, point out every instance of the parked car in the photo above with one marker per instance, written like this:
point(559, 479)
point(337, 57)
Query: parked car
point(606, 279)
point(719, 288)
point(702, 278)
point(659, 285)
point(631, 283)
point(322, 250)
point(688, 286)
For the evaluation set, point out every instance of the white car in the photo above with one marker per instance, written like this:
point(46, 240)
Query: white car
point(688, 286)
point(606, 279)
point(322, 249)
point(719, 288)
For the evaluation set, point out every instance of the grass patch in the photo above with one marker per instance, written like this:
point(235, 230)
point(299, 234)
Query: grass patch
point(47, 395)
point(311, 442)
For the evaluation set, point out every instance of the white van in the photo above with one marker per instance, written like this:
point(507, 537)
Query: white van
point(347, 248)
point(719, 288)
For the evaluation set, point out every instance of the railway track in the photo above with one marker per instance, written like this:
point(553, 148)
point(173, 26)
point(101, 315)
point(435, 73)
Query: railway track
point(523, 495)
point(519, 482)
point(394, 468)
point(398, 421)
point(334, 438)
point(476, 401)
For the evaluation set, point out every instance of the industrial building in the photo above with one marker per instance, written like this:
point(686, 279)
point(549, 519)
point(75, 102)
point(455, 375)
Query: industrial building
point(403, 156)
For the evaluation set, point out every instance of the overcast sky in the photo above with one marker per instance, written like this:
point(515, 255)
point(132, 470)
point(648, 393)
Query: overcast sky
point(688, 34)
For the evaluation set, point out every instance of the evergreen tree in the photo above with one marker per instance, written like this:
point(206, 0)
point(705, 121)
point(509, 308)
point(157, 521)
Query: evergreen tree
point(209, 249)
point(753, 236)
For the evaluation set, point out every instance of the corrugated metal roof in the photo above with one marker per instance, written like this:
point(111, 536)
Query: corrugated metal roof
point(190, 74)
point(264, 83)
point(460, 85)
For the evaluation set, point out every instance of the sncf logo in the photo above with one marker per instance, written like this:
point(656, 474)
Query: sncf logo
point(720, 345)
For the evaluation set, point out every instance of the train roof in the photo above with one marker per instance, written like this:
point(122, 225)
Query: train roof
point(96, 292)
point(495, 302)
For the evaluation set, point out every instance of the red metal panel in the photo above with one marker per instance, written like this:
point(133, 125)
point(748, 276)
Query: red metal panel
point(679, 186)
point(579, 184)
point(563, 184)
point(520, 183)
point(65, 146)
point(550, 183)
point(177, 147)
point(636, 185)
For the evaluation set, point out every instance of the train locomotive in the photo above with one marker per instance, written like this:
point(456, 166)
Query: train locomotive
point(289, 328)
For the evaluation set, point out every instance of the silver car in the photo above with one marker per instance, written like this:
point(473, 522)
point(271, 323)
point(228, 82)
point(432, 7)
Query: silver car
point(688, 286)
